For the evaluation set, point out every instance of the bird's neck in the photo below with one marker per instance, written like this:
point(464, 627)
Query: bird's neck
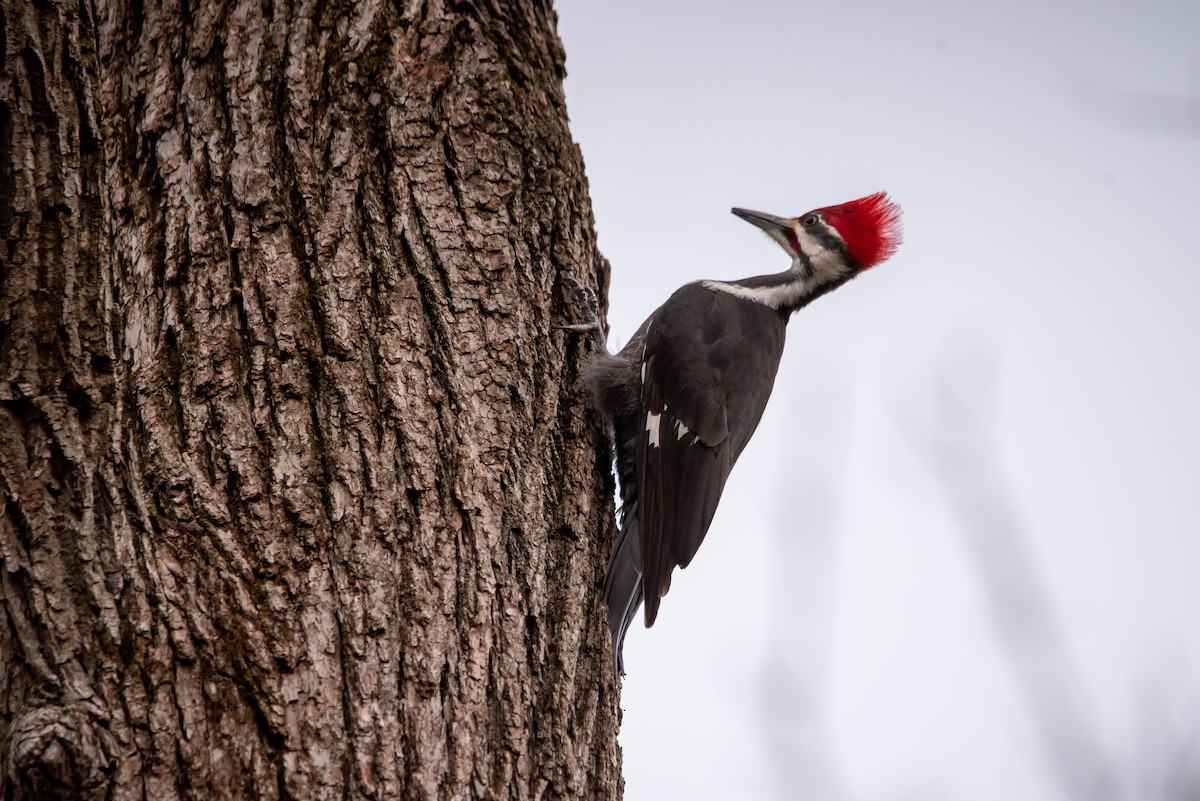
point(786, 292)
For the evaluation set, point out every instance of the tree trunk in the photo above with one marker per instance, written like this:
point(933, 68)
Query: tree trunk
point(301, 498)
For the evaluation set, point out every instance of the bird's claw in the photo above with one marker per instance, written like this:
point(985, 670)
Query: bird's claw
point(587, 297)
point(591, 308)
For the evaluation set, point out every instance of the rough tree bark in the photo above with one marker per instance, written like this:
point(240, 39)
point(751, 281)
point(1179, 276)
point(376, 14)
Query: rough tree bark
point(301, 500)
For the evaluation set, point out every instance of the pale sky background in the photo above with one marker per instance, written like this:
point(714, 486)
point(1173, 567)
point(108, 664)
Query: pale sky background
point(832, 639)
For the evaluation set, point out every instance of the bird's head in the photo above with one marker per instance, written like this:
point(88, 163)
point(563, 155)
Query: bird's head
point(835, 242)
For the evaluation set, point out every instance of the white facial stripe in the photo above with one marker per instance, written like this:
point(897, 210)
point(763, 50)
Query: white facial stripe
point(653, 424)
point(771, 296)
point(824, 263)
point(834, 233)
point(827, 266)
point(809, 244)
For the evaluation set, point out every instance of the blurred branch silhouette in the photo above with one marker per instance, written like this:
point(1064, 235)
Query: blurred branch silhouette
point(960, 448)
point(962, 455)
point(961, 452)
point(794, 669)
point(794, 672)
point(1170, 743)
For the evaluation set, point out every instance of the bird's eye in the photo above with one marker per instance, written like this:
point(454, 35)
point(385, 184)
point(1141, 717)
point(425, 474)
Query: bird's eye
point(809, 221)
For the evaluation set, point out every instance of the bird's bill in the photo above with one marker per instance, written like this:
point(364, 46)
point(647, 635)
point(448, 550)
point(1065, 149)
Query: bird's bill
point(768, 222)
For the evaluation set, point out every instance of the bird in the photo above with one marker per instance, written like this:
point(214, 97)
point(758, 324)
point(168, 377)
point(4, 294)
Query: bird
point(683, 397)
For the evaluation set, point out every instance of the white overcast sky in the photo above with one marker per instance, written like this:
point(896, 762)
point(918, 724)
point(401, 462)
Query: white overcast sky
point(832, 638)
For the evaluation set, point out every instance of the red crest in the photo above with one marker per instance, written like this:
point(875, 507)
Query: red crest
point(870, 227)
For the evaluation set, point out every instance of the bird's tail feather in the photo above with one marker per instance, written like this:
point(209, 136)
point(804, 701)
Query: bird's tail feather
point(623, 584)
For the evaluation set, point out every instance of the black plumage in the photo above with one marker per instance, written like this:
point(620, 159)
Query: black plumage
point(684, 400)
point(688, 391)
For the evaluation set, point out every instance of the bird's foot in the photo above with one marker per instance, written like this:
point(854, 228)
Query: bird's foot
point(591, 309)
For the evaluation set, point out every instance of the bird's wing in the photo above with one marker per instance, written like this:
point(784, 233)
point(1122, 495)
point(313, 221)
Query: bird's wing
point(698, 410)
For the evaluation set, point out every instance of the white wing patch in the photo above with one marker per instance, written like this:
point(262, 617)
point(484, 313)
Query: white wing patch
point(653, 424)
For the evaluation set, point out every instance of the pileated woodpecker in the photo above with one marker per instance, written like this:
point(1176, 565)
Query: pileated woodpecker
point(686, 393)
